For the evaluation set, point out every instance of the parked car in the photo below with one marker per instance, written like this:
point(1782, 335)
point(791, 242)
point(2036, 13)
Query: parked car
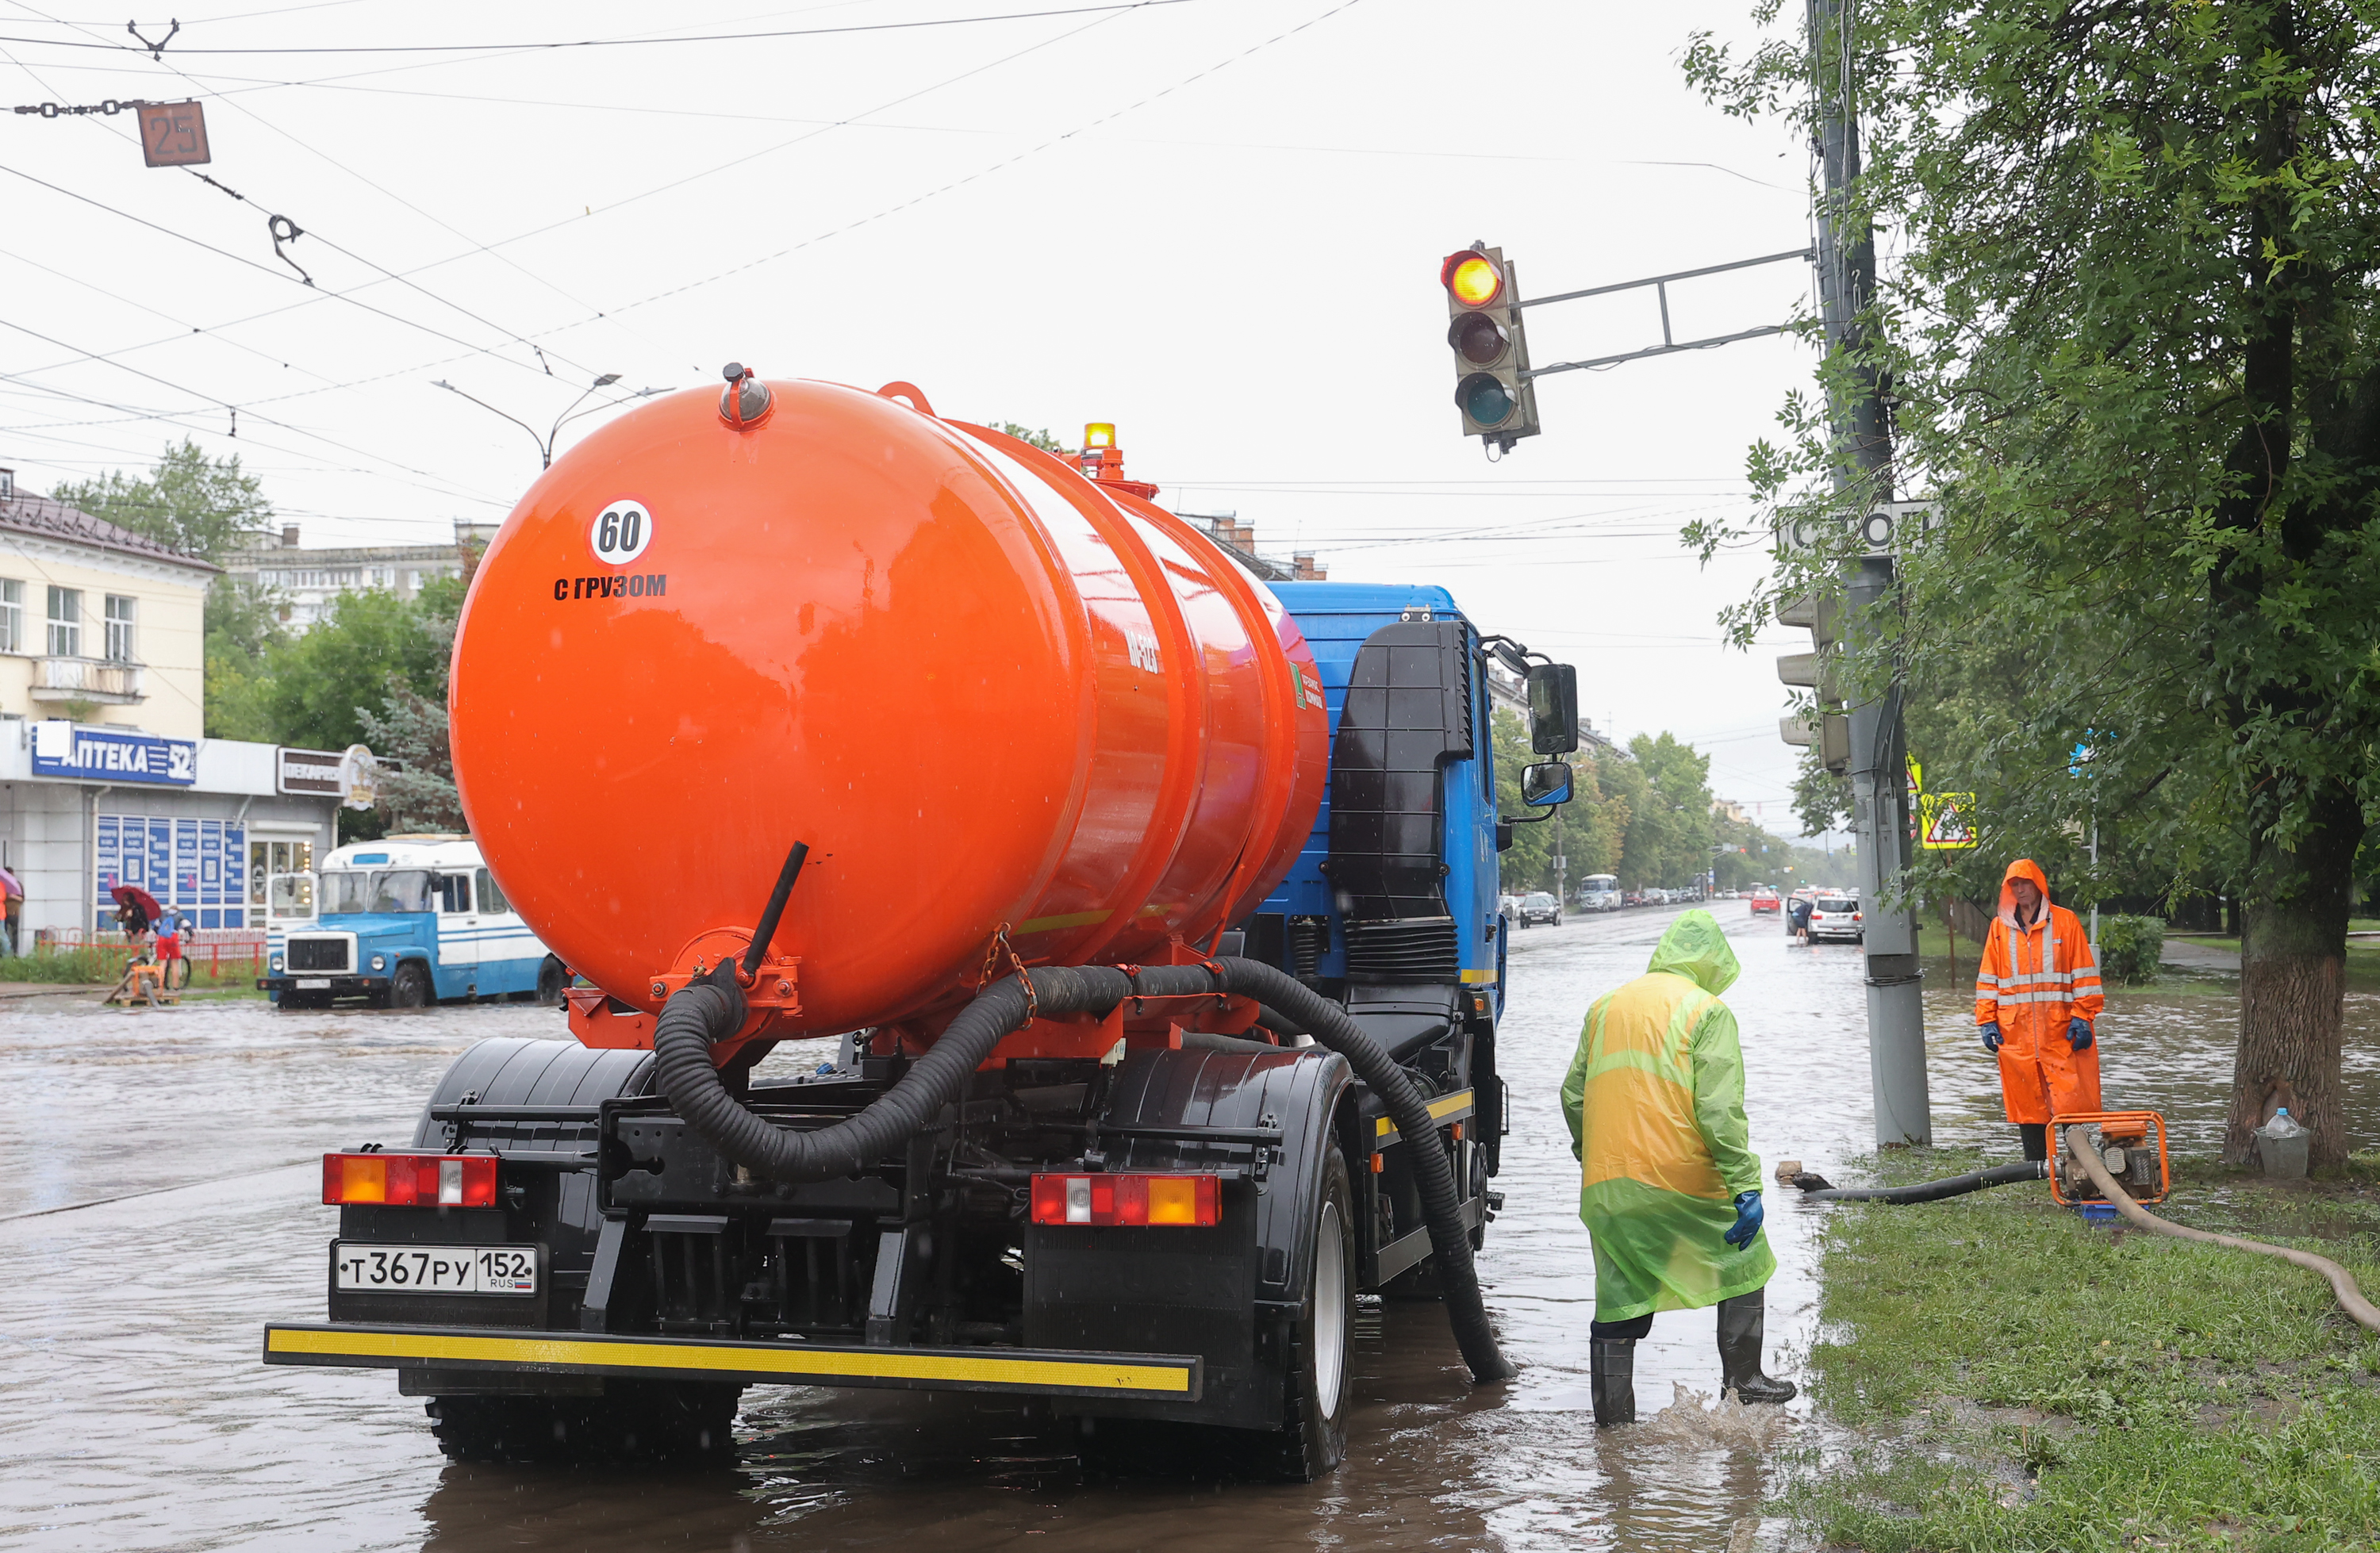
point(1538, 906)
point(1765, 900)
point(1836, 917)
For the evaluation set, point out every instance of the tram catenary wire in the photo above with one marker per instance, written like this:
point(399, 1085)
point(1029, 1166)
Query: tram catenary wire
point(635, 41)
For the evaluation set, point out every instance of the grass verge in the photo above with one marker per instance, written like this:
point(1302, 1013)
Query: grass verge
point(2024, 1381)
point(100, 966)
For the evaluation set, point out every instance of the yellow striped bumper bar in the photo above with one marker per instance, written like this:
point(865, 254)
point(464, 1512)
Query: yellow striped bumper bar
point(1446, 1109)
point(1051, 1374)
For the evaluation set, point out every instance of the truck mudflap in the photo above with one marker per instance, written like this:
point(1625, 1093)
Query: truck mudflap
point(1052, 1372)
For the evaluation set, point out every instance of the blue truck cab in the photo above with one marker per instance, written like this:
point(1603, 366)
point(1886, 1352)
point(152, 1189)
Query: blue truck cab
point(1392, 907)
point(404, 922)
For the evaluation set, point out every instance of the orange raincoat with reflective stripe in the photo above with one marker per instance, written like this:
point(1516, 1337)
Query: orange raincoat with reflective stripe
point(2036, 978)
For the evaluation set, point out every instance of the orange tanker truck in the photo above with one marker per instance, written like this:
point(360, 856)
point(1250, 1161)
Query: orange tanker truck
point(1152, 910)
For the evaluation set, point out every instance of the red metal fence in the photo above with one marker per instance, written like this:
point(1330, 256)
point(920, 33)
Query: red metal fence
point(217, 951)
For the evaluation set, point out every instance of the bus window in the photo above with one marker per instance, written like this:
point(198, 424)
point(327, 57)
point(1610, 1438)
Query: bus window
point(491, 898)
point(454, 893)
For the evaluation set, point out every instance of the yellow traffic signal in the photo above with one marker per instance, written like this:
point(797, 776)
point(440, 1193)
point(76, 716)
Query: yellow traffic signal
point(1491, 351)
point(1474, 279)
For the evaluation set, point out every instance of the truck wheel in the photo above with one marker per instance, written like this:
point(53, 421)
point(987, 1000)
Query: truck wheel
point(634, 1421)
point(1314, 1422)
point(411, 987)
point(551, 978)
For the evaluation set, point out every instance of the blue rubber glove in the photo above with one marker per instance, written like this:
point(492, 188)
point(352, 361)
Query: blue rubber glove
point(1992, 1039)
point(2078, 1034)
point(1747, 1220)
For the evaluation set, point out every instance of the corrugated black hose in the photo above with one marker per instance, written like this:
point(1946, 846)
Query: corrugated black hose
point(712, 1009)
point(1925, 1191)
point(1328, 1023)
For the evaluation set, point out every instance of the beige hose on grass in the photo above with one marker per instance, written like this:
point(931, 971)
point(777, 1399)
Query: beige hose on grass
point(2349, 1297)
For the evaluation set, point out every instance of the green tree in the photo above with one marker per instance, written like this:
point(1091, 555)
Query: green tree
point(1041, 439)
point(1669, 832)
point(318, 684)
point(410, 731)
point(2133, 342)
point(206, 507)
point(202, 506)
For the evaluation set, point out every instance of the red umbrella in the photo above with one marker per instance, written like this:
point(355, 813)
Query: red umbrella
point(141, 900)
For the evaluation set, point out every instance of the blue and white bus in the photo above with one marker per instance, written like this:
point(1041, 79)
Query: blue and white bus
point(402, 923)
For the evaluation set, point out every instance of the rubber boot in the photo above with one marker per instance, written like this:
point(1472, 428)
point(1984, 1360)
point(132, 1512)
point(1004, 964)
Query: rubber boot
point(1611, 1370)
point(1742, 1327)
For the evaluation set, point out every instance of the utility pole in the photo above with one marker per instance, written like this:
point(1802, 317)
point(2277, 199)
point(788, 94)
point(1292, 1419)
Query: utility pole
point(1863, 476)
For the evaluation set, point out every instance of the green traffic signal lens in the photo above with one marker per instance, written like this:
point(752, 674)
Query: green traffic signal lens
point(1485, 399)
point(1478, 339)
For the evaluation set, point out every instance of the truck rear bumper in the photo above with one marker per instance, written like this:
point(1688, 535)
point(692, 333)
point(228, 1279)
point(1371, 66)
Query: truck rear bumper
point(1149, 1376)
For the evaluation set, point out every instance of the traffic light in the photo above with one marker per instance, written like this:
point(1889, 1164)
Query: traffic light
point(1492, 349)
point(1829, 731)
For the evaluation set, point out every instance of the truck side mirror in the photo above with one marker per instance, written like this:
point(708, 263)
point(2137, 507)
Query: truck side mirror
point(1553, 709)
point(1545, 782)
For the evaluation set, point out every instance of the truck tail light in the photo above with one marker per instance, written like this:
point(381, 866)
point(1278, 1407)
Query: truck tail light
point(410, 1179)
point(1127, 1199)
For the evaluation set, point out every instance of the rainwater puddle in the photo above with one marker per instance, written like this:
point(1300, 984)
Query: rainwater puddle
point(134, 1414)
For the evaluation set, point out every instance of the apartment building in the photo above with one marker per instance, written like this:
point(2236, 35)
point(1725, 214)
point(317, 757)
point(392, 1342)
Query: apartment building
point(307, 582)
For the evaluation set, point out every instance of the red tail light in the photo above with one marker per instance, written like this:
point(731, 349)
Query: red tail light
point(1127, 1199)
point(410, 1179)
point(1855, 916)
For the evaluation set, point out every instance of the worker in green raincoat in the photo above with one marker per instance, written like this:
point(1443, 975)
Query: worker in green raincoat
point(1670, 1191)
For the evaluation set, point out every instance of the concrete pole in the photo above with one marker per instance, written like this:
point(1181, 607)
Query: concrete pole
point(1863, 476)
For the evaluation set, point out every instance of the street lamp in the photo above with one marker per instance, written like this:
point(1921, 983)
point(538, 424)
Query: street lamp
point(545, 443)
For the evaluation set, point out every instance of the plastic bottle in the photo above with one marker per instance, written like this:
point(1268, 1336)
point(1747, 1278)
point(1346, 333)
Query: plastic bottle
point(2282, 1125)
point(2282, 1146)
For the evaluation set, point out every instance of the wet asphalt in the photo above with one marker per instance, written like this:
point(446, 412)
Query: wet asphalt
point(159, 1204)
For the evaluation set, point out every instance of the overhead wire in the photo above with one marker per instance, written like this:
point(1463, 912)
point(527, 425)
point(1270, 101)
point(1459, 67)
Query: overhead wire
point(326, 241)
point(314, 149)
point(542, 47)
point(986, 172)
point(490, 247)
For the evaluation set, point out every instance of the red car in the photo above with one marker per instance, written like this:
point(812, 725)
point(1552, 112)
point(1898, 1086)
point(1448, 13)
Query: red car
point(1763, 898)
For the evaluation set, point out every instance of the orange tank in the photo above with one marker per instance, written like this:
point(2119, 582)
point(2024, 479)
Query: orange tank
point(984, 689)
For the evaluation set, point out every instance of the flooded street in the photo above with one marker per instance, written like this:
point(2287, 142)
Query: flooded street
point(138, 1416)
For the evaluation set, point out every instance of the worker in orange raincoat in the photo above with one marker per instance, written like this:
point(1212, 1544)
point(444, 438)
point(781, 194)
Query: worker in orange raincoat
point(2037, 999)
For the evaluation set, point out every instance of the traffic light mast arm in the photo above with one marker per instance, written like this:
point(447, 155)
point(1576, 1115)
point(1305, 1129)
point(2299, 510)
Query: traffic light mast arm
point(1663, 349)
point(1670, 345)
point(1802, 254)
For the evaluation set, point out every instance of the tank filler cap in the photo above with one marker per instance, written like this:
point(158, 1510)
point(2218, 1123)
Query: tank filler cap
point(746, 401)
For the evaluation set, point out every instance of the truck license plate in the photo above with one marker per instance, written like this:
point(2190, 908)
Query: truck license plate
point(435, 1269)
point(314, 983)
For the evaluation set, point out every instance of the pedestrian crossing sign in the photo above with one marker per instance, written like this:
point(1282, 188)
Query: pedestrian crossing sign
point(1945, 820)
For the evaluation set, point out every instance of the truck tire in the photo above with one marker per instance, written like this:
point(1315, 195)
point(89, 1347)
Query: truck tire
point(634, 1421)
point(1313, 1438)
point(551, 978)
point(410, 988)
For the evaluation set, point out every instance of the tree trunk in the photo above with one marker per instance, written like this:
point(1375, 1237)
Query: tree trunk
point(2292, 976)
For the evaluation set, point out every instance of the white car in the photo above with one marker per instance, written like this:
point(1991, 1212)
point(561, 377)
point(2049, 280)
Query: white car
point(1834, 914)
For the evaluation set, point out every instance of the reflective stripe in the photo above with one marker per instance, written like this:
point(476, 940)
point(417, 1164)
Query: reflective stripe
point(802, 1364)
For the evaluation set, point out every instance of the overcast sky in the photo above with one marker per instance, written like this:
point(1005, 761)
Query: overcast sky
point(1215, 222)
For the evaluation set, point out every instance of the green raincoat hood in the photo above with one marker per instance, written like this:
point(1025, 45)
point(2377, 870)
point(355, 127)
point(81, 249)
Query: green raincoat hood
point(1695, 948)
